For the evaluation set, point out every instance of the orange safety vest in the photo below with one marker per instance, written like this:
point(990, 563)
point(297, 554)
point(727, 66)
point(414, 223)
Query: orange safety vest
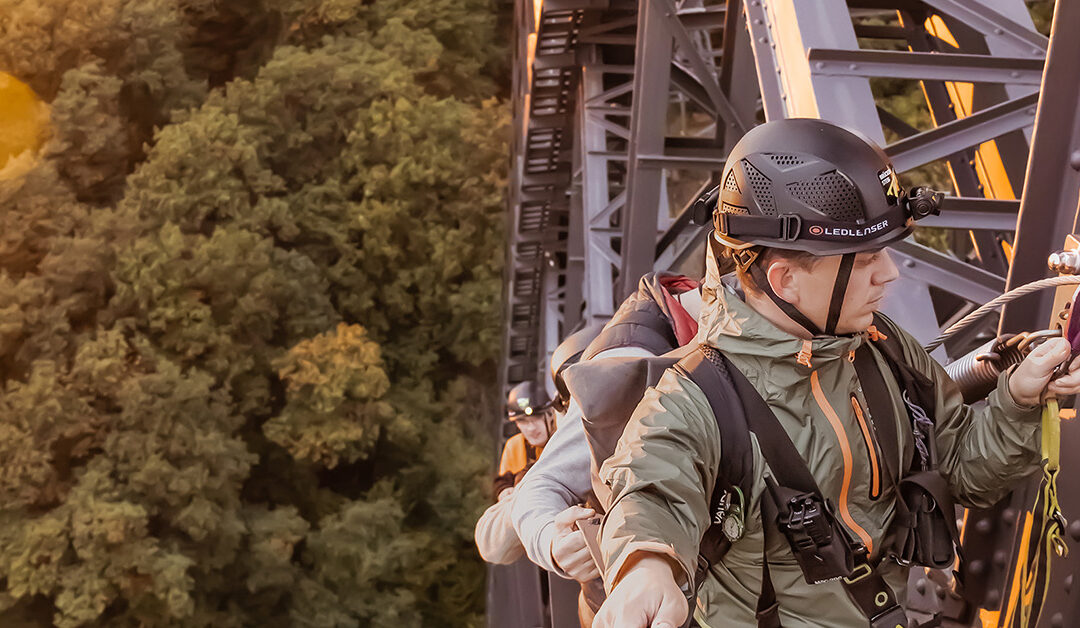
point(517, 455)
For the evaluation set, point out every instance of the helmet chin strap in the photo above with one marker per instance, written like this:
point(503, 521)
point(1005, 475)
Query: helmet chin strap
point(839, 291)
point(836, 303)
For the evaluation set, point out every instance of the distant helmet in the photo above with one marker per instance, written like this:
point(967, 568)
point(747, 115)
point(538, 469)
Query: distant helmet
point(809, 185)
point(526, 399)
point(566, 355)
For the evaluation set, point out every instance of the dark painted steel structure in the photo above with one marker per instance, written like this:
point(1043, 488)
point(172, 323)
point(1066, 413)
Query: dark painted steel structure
point(625, 109)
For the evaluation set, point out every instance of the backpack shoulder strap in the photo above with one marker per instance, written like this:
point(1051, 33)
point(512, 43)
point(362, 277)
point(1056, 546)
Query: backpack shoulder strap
point(642, 325)
point(739, 409)
point(736, 460)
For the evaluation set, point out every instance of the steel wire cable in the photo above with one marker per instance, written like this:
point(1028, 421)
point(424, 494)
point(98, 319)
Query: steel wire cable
point(1011, 295)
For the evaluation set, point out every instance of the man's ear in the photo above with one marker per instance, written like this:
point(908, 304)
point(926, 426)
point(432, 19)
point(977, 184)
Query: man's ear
point(783, 281)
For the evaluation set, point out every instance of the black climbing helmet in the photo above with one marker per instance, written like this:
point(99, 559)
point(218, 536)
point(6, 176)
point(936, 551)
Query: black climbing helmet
point(526, 400)
point(566, 355)
point(808, 185)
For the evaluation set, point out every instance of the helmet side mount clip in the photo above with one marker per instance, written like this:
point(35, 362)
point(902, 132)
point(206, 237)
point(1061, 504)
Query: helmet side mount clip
point(923, 201)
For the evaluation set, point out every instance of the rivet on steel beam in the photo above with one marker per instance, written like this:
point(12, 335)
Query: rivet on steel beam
point(853, 66)
point(976, 567)
point(1031, 111)
point(999, 31)
point(764, 40)
point(1014, 74)
point(759, 21)
point(1068, 583)
point(909, 263)
point(1057, 621)
point(983, 526)
point(1074, 160)
point(1000, 558)
point(1037, 51)
point(920, 586)
point(940, 593)
point(819, 65)
point(993, 598)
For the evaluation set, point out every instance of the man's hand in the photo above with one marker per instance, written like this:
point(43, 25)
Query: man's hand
point(645, 597)
point(568, 547)
point(1029, 381)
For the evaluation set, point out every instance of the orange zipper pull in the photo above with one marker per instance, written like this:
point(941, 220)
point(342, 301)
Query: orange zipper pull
point(875, 335)
point(807, 352)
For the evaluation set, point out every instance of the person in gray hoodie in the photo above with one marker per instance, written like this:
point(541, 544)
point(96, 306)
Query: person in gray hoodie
point(553, 496)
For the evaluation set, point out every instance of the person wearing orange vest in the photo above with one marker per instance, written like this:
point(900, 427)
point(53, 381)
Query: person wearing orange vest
point(530, 409)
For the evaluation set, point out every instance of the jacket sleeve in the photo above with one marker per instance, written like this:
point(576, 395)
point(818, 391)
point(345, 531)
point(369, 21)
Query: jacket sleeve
point(559, 479)
point(495, 536)
point(982, 452)
point(660, 476)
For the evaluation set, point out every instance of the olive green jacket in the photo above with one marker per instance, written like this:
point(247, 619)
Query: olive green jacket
point(665, 465)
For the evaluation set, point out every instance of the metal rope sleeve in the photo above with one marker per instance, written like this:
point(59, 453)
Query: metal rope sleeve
point(1024, 290)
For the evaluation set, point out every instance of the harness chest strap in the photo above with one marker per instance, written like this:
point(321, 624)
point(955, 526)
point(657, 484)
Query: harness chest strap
point(745, 410)
point(865, 587)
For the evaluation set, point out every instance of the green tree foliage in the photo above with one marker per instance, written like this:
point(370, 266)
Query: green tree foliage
point(248, 302)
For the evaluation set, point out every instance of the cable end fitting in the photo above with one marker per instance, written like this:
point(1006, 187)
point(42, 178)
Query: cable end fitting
point(1066, 262)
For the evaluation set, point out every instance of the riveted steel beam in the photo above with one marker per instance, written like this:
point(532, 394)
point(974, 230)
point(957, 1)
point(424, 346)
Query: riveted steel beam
point(924, 65)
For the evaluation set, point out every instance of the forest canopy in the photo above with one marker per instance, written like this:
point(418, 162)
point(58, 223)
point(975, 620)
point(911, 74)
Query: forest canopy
point(249, 310)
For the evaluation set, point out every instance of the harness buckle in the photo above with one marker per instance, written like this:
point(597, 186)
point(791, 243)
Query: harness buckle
point(893, 617)
point(862, 570)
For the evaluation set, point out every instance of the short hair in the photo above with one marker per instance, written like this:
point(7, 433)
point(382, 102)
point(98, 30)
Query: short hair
point(766, 256)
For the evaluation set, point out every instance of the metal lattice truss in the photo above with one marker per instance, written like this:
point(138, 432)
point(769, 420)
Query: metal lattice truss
point(624, 109)
point(622, 105)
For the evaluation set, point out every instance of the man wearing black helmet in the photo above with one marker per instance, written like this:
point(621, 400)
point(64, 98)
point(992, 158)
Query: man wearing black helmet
point(855, 444)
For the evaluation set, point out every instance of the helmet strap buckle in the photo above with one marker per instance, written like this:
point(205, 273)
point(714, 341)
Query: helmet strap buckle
point(720, 222)
point(745, 257)
point(790, 227)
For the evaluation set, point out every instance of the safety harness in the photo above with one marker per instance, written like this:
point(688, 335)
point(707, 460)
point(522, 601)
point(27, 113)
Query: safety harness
point(1034, 573)
point(795, 506)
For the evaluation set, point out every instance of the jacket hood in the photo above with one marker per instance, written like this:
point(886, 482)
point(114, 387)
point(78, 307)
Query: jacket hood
point(728, 323)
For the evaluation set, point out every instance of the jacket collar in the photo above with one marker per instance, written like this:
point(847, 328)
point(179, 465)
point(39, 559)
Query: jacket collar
point(728, 323)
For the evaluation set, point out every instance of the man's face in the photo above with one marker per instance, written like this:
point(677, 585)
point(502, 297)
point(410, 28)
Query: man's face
point(871, 272)
point(534, 428)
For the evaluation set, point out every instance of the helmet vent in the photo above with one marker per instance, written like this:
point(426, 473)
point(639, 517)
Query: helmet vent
point(786, 161)
point(730, 184)
point(728, 208)
point(831, 194)
point(762, 187)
